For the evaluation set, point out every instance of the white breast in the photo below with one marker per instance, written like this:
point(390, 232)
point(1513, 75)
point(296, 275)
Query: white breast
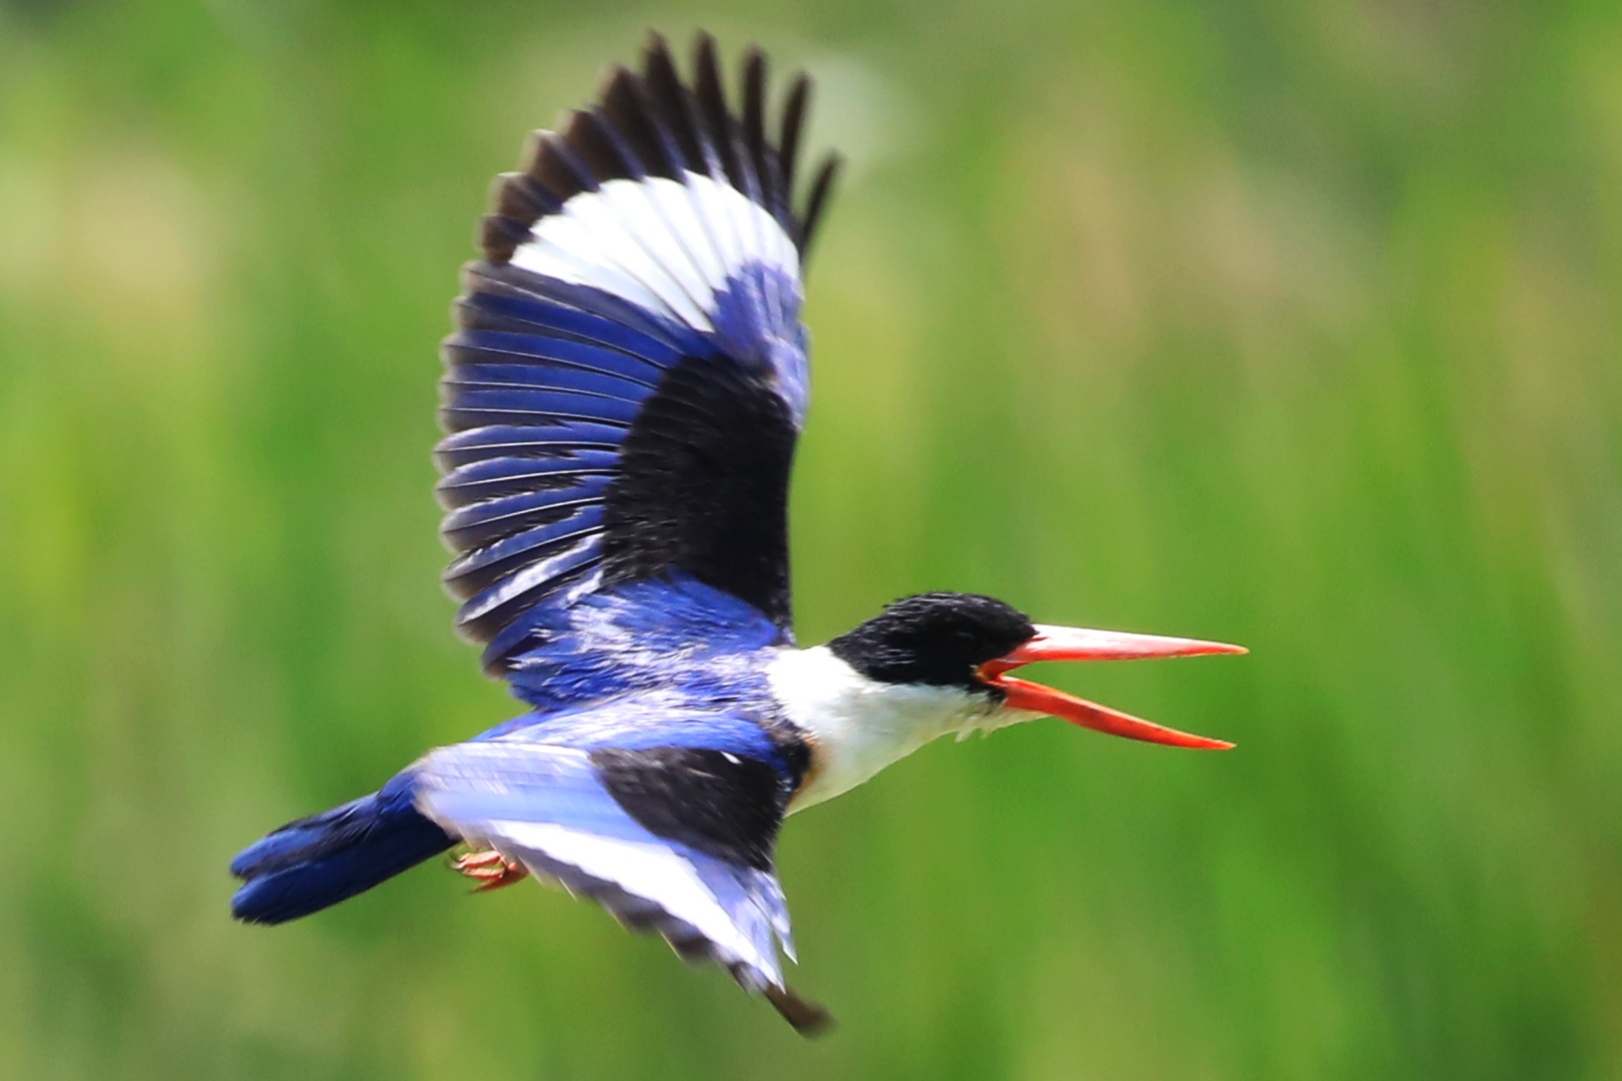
point(857, 725)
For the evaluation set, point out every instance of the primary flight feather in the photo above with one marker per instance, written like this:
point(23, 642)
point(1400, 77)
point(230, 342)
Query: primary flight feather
point(622, 398)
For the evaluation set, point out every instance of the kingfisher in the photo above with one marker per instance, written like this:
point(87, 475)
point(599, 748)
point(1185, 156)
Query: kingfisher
point(623, 391)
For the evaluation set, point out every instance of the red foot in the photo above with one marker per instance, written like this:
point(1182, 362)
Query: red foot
point(490, 869)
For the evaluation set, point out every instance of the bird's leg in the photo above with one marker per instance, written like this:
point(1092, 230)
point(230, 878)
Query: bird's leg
point(490, 869)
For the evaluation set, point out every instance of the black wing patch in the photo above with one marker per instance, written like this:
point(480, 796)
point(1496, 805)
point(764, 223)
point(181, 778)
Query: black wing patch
point(723, 805)
point(703, 485)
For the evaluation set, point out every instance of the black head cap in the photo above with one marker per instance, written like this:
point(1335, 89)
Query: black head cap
point(934, 638)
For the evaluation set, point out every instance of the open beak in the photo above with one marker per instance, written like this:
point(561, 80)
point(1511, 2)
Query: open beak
point(1076, 644)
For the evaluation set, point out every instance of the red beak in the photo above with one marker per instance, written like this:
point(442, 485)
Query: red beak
point(1076, 644)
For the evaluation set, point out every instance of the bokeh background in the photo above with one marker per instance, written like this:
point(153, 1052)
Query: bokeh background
point(1289, 324)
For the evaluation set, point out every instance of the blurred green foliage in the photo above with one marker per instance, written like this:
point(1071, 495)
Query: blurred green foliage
point(1290, 324)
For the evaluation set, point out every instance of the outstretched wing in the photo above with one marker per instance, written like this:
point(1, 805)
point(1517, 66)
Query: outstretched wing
point(628, 379)
point(667, 817)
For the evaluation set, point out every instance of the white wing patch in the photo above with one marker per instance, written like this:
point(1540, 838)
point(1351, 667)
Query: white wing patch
point(541, 805)
point(645, 870)
point(665, 246)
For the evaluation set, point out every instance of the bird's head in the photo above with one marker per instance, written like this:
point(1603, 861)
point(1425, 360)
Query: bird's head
point(969, 643)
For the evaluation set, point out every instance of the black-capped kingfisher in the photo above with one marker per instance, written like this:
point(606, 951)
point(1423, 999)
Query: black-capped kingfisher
point(623, 393)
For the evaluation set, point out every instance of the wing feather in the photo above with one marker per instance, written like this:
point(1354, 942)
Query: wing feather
point(628, 377)
point(547, 806)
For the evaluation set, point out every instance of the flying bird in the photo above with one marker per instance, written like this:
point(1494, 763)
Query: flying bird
point(622, 395)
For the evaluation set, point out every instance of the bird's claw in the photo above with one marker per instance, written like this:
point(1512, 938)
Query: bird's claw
point(490, 869)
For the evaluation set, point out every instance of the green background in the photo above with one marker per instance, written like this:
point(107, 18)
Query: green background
point(1289, 324)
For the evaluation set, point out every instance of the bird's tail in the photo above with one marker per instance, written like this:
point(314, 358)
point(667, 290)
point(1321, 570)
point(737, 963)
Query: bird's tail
point(321, 860)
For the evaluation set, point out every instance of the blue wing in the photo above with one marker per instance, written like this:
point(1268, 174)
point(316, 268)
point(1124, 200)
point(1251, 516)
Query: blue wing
point(664, 815)
point(628, 379)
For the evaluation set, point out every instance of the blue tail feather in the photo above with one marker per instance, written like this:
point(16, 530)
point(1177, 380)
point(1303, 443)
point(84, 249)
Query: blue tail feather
point(326, 858)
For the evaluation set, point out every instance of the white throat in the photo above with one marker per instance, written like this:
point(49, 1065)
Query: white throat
point(857, 725)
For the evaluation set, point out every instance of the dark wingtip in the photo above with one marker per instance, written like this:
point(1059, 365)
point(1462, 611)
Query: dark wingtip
point(659, 123)
point(817, 201)
point(809, 1019)
point(707, 69)
point(705, 48)
point(794, 112)
point(655, 43)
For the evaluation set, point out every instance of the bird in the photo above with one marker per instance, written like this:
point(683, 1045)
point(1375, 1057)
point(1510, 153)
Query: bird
point(622, 394)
